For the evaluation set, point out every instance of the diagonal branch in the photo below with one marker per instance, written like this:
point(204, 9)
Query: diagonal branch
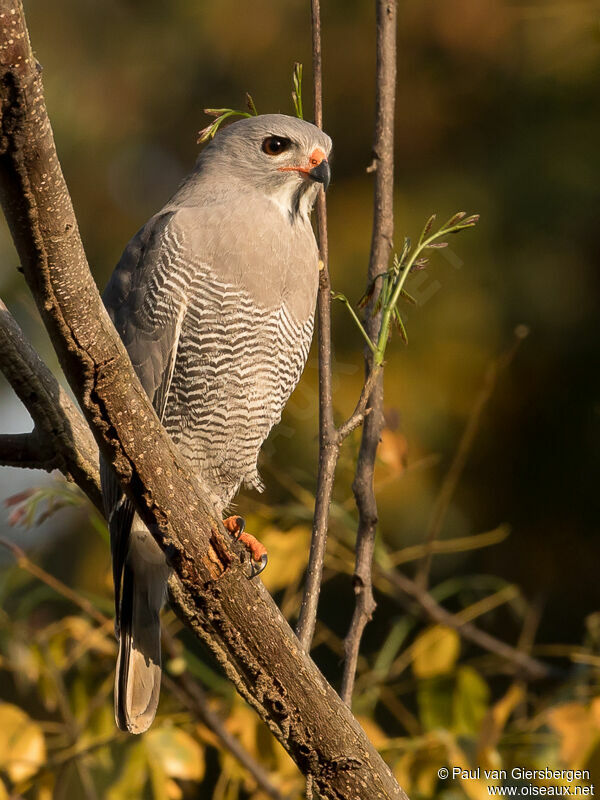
point(56, 418)
point(530, 667)
point(208, 590)
point(452, 478)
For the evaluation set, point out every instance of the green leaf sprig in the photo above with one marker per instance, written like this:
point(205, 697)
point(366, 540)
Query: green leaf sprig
point(392, 282)
point(221, 115)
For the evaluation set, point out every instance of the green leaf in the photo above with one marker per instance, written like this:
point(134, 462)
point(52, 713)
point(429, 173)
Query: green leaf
point(399, 261)
point(199, 669)
point(434, 698)
point(471, 700)
point(400, 326)
point(250, 104)
point(460, 215)
point(391, 647)
point(223, 113)
point(339, 296)
point(370, 291)
point(297, 92)
point(408, 297)
point(435, 651)
point(134, 775)
point(427, 228)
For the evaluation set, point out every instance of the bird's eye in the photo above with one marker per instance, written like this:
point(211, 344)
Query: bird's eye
point(274, 145)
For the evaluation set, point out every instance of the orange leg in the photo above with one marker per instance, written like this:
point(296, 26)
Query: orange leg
point(235, 526)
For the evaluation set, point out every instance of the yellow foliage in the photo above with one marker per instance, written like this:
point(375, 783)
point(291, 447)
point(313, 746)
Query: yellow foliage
point(287, 556)
point(71, 632)
point(255, 737)
point(435, 652)
point(179, 755)
point(495, 722)
point(393, 450)
point(22, 746)
point(577, 728)
point(474, 788)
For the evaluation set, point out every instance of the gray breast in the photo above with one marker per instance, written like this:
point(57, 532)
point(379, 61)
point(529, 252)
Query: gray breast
point(243, 345)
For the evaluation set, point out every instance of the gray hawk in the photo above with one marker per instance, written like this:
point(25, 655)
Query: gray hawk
point(214, 299)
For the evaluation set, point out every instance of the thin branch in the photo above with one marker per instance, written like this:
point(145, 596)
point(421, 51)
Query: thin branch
point(25, 563)
point(444, 498)
point(361, 410)
point(329, 445)
point(532, 668)
point(381, 246)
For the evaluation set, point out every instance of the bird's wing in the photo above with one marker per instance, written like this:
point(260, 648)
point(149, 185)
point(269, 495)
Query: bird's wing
point(146, 300)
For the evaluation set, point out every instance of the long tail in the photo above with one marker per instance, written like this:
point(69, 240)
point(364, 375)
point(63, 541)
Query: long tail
point(137, 680)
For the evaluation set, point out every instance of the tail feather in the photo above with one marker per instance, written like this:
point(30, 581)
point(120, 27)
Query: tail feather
point(137, 681)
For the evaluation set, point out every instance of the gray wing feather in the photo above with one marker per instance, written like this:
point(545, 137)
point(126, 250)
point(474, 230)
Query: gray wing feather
point(147, 313)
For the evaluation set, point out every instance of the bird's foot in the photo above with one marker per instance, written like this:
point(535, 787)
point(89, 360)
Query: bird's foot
point(235, 526)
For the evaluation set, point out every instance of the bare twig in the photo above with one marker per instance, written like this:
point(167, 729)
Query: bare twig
point(530, 667)
point(457, 466)
point(25, 563)
point(381, 246)
point(329, 446)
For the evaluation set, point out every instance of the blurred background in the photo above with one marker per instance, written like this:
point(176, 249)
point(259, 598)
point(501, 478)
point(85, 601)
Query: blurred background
point(497, 113)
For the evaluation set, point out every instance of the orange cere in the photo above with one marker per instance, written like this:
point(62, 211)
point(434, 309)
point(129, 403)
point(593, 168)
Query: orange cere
point(316, 157)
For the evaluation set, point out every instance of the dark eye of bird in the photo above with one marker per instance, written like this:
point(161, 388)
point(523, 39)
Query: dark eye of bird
point(274, 145)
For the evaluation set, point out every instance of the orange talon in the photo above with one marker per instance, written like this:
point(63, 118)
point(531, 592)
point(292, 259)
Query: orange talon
point(235, 526)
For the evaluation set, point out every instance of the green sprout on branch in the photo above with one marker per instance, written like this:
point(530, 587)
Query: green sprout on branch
point(392, 282)
point(221, 115)
point(297, 91)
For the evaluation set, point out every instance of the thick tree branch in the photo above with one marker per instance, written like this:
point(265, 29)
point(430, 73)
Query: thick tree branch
point(24, 450)
point(381, 247)
point(237, 618)
point(57, 420)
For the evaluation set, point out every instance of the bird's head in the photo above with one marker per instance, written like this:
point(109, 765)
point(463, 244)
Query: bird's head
point(284, 157)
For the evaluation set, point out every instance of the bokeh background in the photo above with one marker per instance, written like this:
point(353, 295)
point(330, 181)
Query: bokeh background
point(497, 113)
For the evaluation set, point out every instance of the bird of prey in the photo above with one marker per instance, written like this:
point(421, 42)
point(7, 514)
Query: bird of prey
point(214, 299)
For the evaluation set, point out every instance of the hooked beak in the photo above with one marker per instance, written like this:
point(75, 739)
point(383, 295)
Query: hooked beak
point(317, 169)
point(321, 173)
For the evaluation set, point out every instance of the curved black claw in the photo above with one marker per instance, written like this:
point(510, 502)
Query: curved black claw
point(258, 567)
point(241, 527)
